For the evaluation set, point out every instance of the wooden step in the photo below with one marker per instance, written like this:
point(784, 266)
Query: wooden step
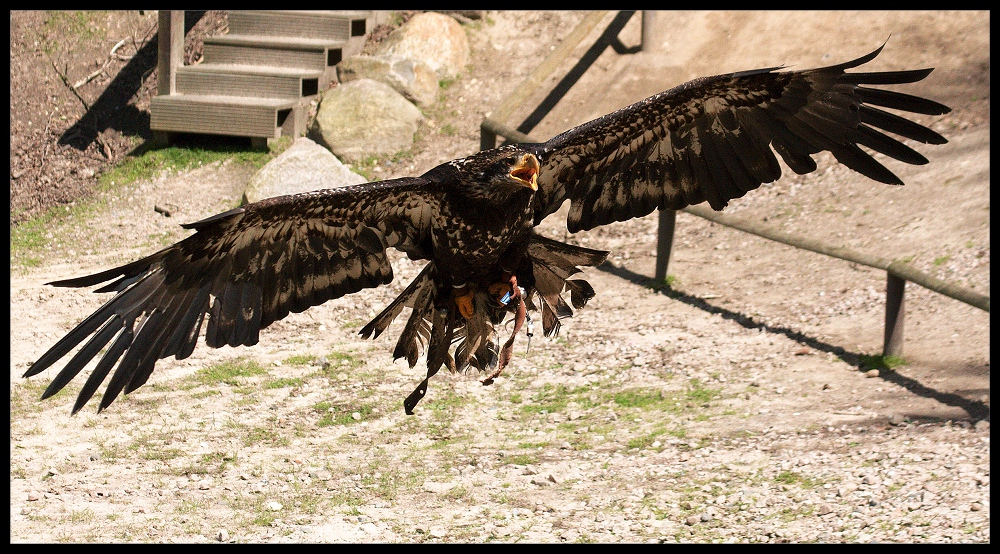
point(330, 25)
point(248, 80)
point(304, 53)
point(226, 115)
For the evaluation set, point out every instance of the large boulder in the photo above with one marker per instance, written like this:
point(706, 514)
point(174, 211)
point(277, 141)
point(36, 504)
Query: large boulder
point(304, 166)
point(433, 38)
point(365, 118)
point(414, 79)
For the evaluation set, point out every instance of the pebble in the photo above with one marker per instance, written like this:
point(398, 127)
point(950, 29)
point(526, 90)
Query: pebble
point(222, 536)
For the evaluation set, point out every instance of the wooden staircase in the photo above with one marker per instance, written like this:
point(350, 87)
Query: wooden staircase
point(258, 80)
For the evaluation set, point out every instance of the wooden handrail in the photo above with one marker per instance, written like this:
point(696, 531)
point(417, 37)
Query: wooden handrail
point(898, 268)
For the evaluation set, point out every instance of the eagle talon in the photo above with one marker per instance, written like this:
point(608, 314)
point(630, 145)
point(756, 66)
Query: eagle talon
point(502, 293)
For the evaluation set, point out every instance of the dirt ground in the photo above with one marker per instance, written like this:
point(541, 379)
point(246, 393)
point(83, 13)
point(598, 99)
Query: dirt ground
point(734, 408)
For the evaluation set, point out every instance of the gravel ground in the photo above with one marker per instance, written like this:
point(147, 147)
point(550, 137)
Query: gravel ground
point(735, 408)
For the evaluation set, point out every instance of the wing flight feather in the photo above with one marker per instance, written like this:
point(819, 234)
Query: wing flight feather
point(712, 139)
point(245, 269)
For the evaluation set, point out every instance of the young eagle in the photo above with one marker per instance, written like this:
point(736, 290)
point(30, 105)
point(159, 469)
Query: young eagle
point(473, 219)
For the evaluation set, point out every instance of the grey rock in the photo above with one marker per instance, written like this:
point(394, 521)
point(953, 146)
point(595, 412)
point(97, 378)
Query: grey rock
point(414, 79)
point(304, 166)
point(389, 120)
point(433, 38)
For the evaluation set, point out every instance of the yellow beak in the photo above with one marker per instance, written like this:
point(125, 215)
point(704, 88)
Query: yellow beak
point(526, 171)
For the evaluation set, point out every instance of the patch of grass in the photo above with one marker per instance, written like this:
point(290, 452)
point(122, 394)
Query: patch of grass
point(457, 493)
point(941, 260)
point(29, 238)
point(152, 162)
point(284, 382)
point(445, 405)
point(550, 399)
point(211, 463)
point(85, 515)
point(231, 372)
point(341, 361)
point(793, 478)
point(639, 398)
point(666, 284)
point(645, 441)
point(81, 25)
point(300, 360)
point(267, 434)
point(698, 393)
point(869, 363)
point(521, 459)
point(340, 415)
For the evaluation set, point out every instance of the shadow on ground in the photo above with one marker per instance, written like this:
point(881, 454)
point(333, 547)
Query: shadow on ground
point(977, 410)
point(112, 109)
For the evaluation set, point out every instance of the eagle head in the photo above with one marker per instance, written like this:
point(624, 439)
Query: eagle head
point(505, 166)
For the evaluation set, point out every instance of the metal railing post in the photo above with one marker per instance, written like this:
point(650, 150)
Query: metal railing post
point(487, 138)
point(895, 307)
point(648, 40)
point(664, 243)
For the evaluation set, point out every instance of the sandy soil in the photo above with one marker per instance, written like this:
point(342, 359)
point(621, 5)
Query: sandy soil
point(732, 409)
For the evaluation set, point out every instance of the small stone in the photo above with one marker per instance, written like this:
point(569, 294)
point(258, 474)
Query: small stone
point(896, 419)
point(982, 425)
point(274, 506)
point(691, 520)
point(222, 536)
point(706, 516)
point(356, 416)
point(872, 373)
point(33, 496)
point(824, 509)
point(975, 506)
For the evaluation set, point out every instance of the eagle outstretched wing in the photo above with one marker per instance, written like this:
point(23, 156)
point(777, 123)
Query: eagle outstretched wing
point(711, 139)
point(247, 268)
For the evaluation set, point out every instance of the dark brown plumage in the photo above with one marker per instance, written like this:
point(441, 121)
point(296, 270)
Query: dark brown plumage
point(707, 140)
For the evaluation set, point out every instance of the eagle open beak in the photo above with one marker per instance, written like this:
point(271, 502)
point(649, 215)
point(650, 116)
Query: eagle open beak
point(526, 171)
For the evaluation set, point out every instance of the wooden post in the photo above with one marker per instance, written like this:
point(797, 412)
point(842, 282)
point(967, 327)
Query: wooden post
point(895, 307)
point(170, 44)
point(664, 243)
point(648, 40)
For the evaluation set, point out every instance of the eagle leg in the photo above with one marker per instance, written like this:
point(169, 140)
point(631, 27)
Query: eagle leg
point(462, 295)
